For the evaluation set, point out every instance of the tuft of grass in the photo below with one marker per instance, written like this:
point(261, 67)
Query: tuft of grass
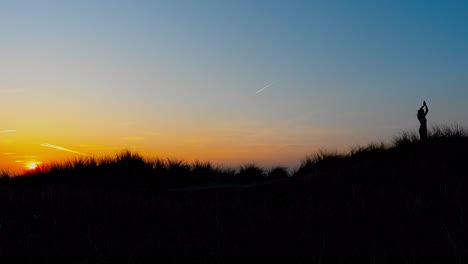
point(321, 160)
point(203, 170)
point(278, 172)
point(453, 131)
point(406, 138)
point(159, 165)
point(128, 157)
point(369, 149)
point(178, 167)
point(251, 172)
point(5, 176)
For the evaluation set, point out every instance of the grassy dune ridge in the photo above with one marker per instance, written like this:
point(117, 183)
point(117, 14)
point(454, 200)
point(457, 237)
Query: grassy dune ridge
point(406, 199)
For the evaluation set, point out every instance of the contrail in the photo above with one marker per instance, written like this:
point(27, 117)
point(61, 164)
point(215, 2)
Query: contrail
point(259, 91)
point(7, 131)
point(62, 149)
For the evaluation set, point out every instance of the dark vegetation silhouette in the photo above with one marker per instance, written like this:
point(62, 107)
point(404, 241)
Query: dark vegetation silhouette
point(384, 203)
point(422, 113)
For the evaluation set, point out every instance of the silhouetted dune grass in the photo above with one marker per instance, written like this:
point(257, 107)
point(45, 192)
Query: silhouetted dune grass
point(130, 167)
point(404, 150)
point(406, 154)
point(399, 202)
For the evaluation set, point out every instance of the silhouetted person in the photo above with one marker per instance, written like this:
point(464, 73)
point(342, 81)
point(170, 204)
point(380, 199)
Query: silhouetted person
point(422, 119)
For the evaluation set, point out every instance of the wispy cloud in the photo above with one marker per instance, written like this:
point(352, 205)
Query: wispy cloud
point(261, 90)
point(47, 145)
point(8, 131)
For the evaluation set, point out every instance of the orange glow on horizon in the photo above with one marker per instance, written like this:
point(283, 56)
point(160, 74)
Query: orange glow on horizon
point(225, 144)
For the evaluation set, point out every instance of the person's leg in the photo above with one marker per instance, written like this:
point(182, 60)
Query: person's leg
point(424, 133)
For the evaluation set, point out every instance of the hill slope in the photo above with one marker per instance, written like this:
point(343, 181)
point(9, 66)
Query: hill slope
point(406, 200)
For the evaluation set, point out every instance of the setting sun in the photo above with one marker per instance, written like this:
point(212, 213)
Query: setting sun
point(32, 165)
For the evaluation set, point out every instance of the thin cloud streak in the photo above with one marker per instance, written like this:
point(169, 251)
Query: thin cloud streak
point(261, 90)
point(8, 131)
point(47, 145)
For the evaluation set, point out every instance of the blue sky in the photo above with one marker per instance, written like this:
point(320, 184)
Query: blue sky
point(343, 73)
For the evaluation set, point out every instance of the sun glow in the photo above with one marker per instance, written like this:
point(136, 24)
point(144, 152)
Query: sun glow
point(32, 165)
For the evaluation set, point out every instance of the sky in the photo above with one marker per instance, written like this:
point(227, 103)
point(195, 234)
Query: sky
point(232, 82)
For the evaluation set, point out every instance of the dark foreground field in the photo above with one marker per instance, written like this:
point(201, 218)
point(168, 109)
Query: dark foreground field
point(384, 204)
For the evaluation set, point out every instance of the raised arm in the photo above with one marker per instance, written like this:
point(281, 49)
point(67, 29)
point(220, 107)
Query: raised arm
point(427, 109)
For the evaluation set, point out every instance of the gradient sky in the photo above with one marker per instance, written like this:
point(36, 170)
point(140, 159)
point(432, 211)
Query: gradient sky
point(182, 79)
